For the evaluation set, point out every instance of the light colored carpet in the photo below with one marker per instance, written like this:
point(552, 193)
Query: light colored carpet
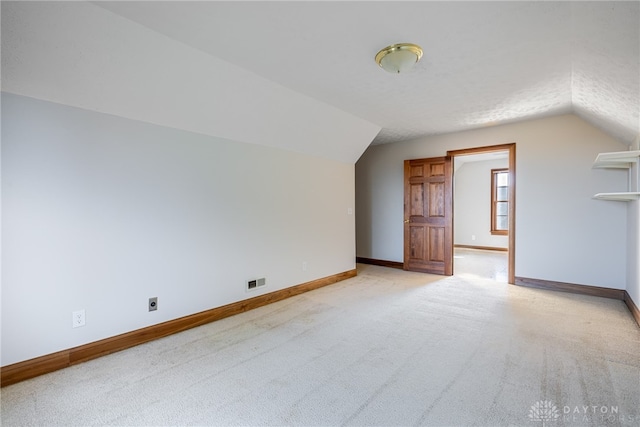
point(385, 348)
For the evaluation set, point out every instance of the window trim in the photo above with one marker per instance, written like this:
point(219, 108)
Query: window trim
point(494, 202)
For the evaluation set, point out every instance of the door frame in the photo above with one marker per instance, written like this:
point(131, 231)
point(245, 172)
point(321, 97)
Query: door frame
point(511, 149)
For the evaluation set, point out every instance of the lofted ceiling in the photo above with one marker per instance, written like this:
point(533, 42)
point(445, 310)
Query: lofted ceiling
point(302, 73)
point(485, 63)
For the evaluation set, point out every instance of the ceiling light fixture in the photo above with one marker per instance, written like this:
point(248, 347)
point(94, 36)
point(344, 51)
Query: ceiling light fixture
point(399, 57)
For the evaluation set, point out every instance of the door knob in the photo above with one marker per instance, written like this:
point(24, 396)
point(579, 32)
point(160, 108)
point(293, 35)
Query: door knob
point(406, 221)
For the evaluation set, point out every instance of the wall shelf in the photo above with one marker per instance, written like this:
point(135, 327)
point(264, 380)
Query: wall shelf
point(617, 160)
point(619, 197)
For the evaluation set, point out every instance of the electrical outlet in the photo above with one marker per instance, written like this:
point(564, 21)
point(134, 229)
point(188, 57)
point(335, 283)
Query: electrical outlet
point(153, 304)
point(473, 237)
point(78, 318)
point(304, 265)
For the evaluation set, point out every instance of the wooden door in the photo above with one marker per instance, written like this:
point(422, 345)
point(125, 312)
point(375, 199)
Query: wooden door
point(428, 216)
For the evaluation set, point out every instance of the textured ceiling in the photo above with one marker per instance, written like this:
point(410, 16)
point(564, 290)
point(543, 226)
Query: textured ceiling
point(485, 63)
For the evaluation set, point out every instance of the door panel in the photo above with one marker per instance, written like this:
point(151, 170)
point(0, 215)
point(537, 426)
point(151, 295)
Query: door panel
point(436, 244)
point(436, 199)
point(417, 243)
point(428, 228)
point(417, 199)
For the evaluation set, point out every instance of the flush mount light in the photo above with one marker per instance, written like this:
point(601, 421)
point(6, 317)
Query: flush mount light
point(399, 57)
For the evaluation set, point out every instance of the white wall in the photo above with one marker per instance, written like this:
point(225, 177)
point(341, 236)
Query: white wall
point(100, 213)
point(472, 204)
point(562, 234)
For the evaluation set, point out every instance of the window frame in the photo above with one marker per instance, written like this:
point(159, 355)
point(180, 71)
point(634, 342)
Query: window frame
point(494, 201)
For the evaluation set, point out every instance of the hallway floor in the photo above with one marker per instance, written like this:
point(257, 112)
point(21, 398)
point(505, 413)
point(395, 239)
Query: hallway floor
point(475, 263)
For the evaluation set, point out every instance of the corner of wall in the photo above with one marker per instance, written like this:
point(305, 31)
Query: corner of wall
point(633, 238)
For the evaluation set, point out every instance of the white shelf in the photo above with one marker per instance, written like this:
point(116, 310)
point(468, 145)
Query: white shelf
point(616, 160)
point(620, 197)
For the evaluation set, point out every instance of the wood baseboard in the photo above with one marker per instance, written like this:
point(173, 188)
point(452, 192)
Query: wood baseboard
point(595, 291)
point(633, 308)
point(21, 371)
point(483, 248)
point(380, 262)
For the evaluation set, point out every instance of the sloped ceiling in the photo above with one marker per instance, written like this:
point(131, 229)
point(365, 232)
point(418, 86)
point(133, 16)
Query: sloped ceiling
point(78, 54)
point(485, 63)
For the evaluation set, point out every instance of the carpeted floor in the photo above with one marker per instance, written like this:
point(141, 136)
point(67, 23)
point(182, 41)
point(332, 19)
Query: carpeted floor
point(387, 347)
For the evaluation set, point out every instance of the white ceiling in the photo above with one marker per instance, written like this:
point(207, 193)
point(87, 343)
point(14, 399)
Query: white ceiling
point(461, 160)
point(485, 63)
point(301, 75)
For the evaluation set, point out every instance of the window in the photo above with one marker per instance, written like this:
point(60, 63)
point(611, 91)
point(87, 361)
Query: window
point(500, 201)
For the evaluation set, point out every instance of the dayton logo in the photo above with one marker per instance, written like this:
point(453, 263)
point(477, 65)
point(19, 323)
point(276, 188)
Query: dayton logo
point(544, 410)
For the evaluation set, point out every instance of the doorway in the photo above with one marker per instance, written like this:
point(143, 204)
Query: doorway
point(480, 238)
point(480, 264)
